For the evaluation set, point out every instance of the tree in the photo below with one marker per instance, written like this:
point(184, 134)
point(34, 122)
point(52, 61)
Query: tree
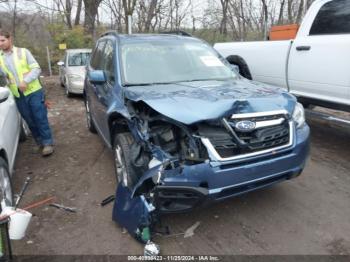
point(91, 10)
point(77, 15)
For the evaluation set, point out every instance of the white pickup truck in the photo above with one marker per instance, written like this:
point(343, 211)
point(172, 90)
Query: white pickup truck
point(315, 66)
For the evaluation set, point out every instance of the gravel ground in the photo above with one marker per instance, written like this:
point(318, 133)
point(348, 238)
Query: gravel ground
point(307, 215)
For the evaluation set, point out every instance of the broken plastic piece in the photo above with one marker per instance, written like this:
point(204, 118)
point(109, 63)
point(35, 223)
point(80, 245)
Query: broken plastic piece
point(107, 200)
point(133, 213)
point(190, 231)
point(69, 209)
point(151, 249)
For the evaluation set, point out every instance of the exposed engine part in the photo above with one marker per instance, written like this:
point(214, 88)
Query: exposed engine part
point(175, 139)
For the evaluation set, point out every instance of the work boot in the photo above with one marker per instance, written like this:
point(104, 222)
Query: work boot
point(37, 149)
point(47, 150)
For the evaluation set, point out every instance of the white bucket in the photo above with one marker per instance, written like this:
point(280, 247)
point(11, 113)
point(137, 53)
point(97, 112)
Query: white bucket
point(19, 221)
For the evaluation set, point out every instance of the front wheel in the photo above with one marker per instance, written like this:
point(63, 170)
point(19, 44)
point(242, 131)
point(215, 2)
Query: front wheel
point(124, 171)
point(6, 196)
point(67, 92)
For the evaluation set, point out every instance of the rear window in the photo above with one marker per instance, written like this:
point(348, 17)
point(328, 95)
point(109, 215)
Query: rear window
point(78, 59)
point(333, 18)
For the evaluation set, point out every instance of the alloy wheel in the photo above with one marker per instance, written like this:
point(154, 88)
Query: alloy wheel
point(120, 167)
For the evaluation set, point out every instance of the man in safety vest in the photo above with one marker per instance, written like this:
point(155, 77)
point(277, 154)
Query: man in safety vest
point(22, 72)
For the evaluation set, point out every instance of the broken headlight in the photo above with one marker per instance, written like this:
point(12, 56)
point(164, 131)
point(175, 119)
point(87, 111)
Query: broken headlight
point(299, 115)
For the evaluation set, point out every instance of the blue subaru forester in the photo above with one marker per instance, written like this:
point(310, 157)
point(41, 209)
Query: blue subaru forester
point(185, 128)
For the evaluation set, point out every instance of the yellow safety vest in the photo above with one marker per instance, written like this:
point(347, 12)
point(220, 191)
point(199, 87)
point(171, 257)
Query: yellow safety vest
point(22, 68)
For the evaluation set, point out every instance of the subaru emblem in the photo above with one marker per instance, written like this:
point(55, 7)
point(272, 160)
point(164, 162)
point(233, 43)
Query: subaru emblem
point(245, 126)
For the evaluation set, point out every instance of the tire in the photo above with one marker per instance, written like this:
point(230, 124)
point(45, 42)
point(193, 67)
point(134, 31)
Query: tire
point(89, 122)
point(6, 196)
point(24, 132)
point(66, 90)
point(242, 65)
point(124, 171)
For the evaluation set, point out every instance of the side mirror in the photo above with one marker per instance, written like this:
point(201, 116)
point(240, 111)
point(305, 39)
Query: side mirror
point(97, 77)
point(60, 63)
point(4, 94)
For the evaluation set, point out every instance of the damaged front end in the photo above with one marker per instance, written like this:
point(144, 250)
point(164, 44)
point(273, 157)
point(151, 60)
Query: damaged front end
point(162, 148)
point(179, 167)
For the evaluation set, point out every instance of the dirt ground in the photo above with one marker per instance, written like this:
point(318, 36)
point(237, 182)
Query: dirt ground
point(307, 215)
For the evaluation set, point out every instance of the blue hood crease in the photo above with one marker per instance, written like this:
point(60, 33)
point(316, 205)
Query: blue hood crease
point(191, 102)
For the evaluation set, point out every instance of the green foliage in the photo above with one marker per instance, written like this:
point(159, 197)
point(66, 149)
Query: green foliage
point(38, 51)
point(73, 38)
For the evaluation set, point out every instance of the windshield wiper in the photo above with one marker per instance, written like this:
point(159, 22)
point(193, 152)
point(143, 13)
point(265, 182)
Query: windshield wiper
point(206, 79)
point(150, 84)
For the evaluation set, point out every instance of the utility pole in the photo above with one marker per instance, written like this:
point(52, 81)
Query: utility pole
point(48, 60)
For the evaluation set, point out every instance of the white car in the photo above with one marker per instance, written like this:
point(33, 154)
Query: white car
point(12, 130)
point(72, 70)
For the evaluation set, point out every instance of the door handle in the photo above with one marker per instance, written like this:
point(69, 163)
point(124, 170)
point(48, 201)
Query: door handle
point(303, 48)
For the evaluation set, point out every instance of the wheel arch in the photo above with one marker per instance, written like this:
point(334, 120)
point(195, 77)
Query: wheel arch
point(3, 155)
point(117, 123)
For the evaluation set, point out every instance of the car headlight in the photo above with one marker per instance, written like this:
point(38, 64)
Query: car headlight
point(299, 115)
point(75, 78)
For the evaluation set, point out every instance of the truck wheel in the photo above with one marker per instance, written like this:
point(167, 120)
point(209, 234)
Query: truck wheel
point(242, 65)
point(124, 171)
point(89, 122)
point(6, 196)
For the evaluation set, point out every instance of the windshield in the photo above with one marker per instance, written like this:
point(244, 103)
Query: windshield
point(78, 59)
point(155, 62)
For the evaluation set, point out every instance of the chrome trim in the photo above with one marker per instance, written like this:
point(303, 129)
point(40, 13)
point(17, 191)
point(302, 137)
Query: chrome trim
point(214, 155)
point(257, 114)
point(220, 189)
point(267, 123)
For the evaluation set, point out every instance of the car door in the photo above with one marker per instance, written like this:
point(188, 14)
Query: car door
point(320, 56)
point(105, 92)
point(93, 90)
point(9, 125)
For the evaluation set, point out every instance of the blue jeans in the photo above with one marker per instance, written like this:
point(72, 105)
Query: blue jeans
point(33, 110)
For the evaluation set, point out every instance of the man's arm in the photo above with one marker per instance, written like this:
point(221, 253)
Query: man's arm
point(34, 66)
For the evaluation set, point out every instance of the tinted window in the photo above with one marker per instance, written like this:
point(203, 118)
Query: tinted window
point(96, 60)
point(78, 59)
point(333, 18)
point(108, 65)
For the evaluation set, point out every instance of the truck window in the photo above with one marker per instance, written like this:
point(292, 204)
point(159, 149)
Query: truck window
point(333, 18)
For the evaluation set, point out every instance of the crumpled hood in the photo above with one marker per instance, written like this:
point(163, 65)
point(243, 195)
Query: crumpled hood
point(190, 102)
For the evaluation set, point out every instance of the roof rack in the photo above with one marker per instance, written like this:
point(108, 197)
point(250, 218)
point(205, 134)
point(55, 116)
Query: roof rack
point(111, 32)
point(177, 32)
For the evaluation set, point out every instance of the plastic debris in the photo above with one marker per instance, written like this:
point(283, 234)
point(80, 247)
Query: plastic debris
point(190, 231)
point(151, 249)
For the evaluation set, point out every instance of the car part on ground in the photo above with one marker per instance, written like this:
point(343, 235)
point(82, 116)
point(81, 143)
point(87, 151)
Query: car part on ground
point(21, 193)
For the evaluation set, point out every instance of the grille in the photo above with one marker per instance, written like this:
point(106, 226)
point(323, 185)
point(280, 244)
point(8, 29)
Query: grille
point(260, 139)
